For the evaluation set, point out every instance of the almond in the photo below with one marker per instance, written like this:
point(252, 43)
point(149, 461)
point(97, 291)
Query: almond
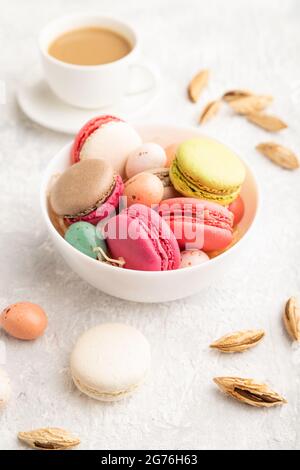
point(267, 122)
point(249, 391)
point(49, 439)
point(278, 154)
point(235, 95)
point(238, 341)
point(197, 84)
point(250, 104)
point(210, 110)
point(291, 318)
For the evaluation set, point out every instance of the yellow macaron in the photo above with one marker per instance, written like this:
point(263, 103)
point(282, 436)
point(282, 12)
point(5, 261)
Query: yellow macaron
point(206, 169)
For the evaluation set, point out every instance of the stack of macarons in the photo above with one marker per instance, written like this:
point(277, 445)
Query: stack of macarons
point(141, 206)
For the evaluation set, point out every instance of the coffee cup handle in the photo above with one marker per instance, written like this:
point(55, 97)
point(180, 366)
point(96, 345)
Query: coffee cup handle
point(143, 77)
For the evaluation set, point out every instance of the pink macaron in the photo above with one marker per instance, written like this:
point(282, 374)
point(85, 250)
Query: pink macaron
point(106, 137)
point(143, 239)
point(198, 224)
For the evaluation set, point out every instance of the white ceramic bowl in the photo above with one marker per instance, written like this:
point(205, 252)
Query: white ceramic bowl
point(149, 286)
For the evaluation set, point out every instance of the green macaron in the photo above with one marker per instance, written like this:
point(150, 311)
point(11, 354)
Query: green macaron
point(206, 169)
point(85, 238)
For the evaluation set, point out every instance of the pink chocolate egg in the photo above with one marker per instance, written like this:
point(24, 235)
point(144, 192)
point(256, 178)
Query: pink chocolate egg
point(24, 320)
point(145, 157)
point(237, 208)
point(193, 258)
point(144, 188)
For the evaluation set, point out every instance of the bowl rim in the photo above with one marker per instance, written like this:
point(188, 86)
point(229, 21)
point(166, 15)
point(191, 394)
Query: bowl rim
point(133, 272)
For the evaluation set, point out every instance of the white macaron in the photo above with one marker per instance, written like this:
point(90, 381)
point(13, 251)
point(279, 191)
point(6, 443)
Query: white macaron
point(110, 361)
point(112, 142)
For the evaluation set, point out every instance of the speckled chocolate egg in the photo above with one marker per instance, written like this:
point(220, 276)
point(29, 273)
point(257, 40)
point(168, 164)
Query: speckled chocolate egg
point(149, 155)
point(170, 153)
point(84, 237)
point(144, 188)
point(5, 387)
point(192, 258)
point(24, 320)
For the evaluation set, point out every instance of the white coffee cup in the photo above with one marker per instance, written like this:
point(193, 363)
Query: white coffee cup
point(93, 86)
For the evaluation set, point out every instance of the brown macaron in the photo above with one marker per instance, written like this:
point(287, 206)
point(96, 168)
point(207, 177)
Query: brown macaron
point(83, 188)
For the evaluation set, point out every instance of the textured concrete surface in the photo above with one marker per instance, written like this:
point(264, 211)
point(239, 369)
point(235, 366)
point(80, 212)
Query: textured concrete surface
point(245, 44)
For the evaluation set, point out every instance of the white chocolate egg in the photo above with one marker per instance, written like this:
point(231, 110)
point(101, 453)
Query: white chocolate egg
point(193, 258)
point(145, 157)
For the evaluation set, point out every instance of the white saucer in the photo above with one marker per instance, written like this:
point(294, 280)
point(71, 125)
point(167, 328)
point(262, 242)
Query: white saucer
point(40, 104)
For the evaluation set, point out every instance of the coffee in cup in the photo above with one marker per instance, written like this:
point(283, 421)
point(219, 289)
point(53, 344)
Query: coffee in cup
point(89, 46)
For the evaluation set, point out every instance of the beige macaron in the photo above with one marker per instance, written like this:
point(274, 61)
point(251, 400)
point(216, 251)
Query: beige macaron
point(110, 361)
point(82, 187)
